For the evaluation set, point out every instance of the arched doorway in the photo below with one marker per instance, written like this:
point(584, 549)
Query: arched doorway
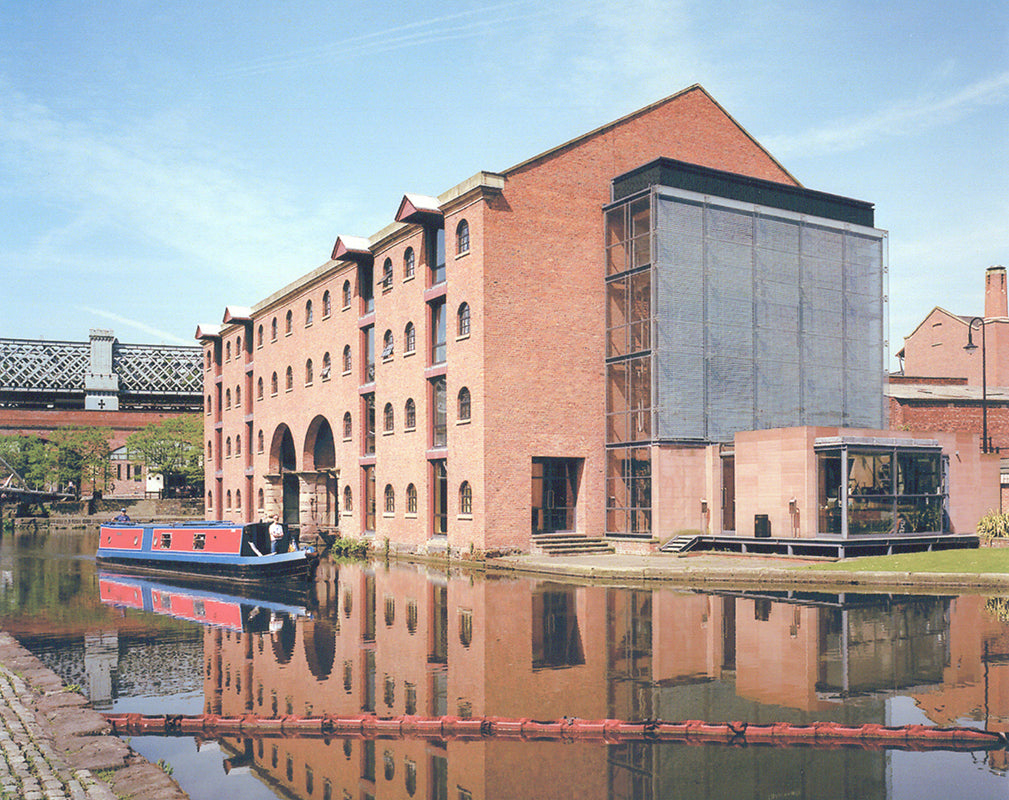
point(283, 460)
point(319, 457)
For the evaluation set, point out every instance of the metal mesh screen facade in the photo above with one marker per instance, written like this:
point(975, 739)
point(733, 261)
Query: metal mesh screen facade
point(763, 319)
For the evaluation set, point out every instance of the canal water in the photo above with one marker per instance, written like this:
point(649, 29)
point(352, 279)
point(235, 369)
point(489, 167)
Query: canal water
point(402, 639)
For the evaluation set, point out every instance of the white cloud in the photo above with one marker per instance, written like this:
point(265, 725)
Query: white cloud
point(164, 336)
point(901, 119)
point(471, 23)
point(193, 204)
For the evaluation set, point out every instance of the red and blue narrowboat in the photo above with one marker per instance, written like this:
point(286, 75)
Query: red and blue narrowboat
point(235, 612)
point(224, 552)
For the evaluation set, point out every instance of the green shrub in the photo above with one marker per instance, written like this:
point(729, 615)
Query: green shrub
point(349, 548)
point(993, 525)
point(998, 607)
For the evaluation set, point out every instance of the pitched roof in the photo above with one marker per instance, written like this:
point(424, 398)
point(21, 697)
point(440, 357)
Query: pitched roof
point(642, 111)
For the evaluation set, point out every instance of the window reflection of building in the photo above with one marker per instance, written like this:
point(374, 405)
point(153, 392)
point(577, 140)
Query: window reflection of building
point(557, 640)
point(867, 487)
point(101, 658)
point(640, 654)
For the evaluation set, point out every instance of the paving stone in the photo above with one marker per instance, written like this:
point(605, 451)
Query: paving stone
point(53, 733)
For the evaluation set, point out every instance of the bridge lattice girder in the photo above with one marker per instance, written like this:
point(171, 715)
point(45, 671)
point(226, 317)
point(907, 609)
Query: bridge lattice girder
point(30, 365)
point(41, 366)
point(158, 369)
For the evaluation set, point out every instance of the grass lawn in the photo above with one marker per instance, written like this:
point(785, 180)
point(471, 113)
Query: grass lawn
point(984, 559)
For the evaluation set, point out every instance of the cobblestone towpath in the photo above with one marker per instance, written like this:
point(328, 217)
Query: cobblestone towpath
point(54, 746)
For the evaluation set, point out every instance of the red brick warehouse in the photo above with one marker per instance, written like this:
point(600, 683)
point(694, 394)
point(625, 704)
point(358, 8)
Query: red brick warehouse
point(477, 374)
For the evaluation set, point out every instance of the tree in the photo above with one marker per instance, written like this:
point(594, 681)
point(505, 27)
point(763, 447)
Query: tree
point(14, 451)
point(173, 447)
point(82, 455)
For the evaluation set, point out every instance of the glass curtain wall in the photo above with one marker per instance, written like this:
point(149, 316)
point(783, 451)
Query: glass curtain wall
point(629, 406)
point(880, 491)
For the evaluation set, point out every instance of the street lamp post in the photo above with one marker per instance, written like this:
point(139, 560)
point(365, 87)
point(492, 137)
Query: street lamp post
point(985, 445)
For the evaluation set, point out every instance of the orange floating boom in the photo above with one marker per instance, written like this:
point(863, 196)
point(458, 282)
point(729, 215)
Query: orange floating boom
point(605, 731)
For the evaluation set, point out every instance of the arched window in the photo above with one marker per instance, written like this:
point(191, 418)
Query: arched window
point(259, 336)
point(326, 366)
point(209, 359)
point(228, 503)
point(387, 345)
point(308, 372)
point(387, 275)
point(409, 338)
point(210, 404)
point(308, 313)
point(238, 499)
point(210, 450)
point(227, 399)
point(260, 440)
point(465, 498)
point(464, 404)
point(410, 415)
point(327, 304)
point(389, 417)
point(462, 320)
point(260, 500)
point(348, 499)
point(346, 294)
point(289, 384)
point(462, 237)
point(390, 499)
point(348, 427)
point(210, 498)
point(465, 627)
point(238, 397)
point(289, 323)
point(227, 447)
point(259, 389)
point(238, 445)
point(238, 346)
point(227, 351)
point(273, 384)
point(409, 264)
point(347, 360)
point(273, 330)
point(411, 499)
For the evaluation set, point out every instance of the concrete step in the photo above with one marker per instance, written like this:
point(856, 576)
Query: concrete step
point(579, 551)
point(567, 543)
point(679, 544)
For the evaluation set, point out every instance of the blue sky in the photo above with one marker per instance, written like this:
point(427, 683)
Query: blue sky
point(160, 160)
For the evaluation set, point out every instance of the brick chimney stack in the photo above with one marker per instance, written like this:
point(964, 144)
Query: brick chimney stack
point(995, 293)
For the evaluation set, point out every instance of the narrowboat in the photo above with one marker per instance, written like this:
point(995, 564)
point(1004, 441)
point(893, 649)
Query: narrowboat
point(234, 612)
point(222, 552)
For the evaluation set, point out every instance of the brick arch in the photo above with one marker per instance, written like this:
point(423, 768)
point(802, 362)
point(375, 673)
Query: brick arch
point(319, 641)
point(283, 457)
point(319, 451)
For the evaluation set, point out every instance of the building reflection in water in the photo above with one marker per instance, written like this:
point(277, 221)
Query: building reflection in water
point(404, 641)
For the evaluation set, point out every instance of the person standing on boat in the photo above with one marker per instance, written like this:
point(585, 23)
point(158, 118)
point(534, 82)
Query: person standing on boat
point(122, 516)
point(276, 534)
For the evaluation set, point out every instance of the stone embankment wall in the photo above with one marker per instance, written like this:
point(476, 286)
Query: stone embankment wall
point(53, 745)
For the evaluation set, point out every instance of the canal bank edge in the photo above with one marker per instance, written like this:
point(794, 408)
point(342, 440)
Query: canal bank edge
point(54, 745)
point(735, 572)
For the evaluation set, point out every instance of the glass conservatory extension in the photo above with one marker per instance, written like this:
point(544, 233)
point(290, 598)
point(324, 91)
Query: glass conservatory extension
point(880, 487)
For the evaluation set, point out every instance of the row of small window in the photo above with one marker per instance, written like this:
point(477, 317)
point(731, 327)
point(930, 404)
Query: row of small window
point(464, 410)
point(389, 499)
point(234, 501)
point(409, 269)
point(370, 761)
point(309, 372)
point(388, 350)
